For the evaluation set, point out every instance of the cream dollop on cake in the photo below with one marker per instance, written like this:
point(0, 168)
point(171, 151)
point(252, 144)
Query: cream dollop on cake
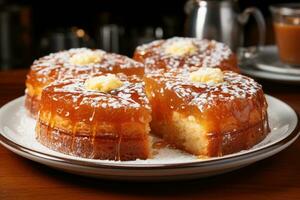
point(181, 48)
point(103, 83)
point(85, 58)
point(207, 75)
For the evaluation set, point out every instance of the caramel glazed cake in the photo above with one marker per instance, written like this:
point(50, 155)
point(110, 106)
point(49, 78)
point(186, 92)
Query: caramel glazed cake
point(101, 117)
point(179, 52)
point(92, 105)
point(73, 63)
point(207, 112)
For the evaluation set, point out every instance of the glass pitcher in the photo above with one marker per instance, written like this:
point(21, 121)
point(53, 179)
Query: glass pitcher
point(221, 21)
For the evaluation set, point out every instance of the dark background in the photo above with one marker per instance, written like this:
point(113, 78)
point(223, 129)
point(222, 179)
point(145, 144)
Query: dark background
point(29, 29)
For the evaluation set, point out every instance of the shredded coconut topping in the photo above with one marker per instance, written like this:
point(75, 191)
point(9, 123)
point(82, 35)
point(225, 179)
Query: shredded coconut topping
point(205, 95)
point(59, 65)
point(130, 95)
point(200, 53)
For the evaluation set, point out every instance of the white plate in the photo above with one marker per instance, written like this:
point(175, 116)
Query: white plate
point(17, 135)
point(267, 65)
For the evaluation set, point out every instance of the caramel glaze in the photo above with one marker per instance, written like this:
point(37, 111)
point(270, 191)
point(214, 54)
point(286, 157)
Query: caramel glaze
point(92, 124)
point(209, 54)
point(234, 113)
point(57, 66)
point(110, 147)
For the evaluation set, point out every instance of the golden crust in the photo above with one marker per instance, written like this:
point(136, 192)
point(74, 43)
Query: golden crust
point(104, 146)
point(127, 129)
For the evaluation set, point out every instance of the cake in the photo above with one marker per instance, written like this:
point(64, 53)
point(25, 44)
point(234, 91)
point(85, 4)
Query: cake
point(105, 116)
point(186, 53)
point(73, 63)
point(97, 105)
point(207, 112)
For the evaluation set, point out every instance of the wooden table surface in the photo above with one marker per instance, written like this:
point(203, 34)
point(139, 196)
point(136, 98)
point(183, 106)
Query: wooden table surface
point(277, 177)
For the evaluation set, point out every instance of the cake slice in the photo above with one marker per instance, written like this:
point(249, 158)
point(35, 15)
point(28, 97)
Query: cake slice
point(207, 112)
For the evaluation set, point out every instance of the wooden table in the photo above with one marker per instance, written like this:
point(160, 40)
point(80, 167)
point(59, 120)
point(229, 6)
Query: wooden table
point(277, 177)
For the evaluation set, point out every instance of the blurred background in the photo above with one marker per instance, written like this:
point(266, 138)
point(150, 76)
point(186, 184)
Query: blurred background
point(30, 29)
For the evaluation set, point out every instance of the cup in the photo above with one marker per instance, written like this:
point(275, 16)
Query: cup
point(286, 21)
